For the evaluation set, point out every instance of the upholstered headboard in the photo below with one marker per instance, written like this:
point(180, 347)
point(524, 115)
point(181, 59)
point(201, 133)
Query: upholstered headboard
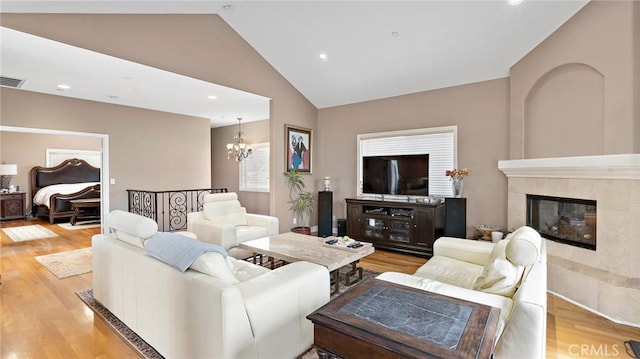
point(69, 171)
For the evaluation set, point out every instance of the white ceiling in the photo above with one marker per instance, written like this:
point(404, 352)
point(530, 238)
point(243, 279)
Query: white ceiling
point(44, 64)
point(436, 44)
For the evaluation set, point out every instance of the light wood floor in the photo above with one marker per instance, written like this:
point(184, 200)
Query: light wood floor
point(41, 317)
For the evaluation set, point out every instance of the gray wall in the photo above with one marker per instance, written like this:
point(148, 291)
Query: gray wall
point(479, 110)
point(574, 93)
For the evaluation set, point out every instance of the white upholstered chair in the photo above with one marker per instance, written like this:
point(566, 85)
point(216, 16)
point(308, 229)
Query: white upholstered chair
point(223, 221)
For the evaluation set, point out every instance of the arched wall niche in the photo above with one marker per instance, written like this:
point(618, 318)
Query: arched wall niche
point(565, 107)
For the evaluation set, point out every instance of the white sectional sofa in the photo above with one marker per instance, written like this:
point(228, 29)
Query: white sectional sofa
point(233, 310)
point(510, 275)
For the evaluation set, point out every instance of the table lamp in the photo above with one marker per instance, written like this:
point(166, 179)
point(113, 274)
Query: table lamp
point(6, 171)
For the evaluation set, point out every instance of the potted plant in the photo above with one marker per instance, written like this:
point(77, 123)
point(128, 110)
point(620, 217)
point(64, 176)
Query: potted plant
point(300, 200)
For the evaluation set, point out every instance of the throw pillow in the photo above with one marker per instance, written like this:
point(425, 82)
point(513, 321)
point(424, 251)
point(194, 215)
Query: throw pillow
point(214, 265)
point(499, 275)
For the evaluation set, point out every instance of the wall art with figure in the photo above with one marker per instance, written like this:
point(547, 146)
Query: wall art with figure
point(298, 148)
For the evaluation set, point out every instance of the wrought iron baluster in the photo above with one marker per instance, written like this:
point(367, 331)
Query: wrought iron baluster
point(171, 206)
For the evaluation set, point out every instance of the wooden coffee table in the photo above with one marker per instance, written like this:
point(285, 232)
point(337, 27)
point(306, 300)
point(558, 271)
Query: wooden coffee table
point(380, 319)
point(293, 247)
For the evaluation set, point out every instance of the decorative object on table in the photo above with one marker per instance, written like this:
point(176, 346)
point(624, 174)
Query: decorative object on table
point(327, 183)
point(238, 150)
point(6, 171)
point(344, 242)
point(486, 229)
point(457, 176)
point(496, 236)
point(298, 149)
point(300, 200)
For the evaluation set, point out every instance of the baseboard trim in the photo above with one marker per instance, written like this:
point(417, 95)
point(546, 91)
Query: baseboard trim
point(617, 321)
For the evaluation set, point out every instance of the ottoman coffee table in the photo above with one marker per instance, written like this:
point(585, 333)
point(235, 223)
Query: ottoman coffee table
point(292, 247)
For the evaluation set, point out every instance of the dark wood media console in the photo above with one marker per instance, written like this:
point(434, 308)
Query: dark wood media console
point(408, 227)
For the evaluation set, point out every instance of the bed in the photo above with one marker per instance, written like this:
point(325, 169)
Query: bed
point(52, 188)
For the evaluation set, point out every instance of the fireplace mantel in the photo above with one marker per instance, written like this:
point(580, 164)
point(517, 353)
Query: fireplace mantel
point(620, 167)
point(604, 280)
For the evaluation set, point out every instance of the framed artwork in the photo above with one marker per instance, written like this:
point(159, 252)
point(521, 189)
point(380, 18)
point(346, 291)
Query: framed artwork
point(298, 148)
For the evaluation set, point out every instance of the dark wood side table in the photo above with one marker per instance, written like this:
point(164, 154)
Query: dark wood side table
point(380, 319)
point(12, 205)
point(85, 208)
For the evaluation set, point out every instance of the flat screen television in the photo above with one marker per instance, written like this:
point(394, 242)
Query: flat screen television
point(396, 175)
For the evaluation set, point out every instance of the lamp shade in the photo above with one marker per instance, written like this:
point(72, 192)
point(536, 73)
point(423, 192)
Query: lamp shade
point(8, 170)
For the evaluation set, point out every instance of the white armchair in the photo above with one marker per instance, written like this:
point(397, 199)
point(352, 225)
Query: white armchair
point(223, 221)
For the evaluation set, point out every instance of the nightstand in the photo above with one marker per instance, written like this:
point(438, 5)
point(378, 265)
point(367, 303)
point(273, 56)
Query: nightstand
point(12, 205)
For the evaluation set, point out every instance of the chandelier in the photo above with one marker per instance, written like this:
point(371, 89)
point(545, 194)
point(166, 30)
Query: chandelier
point(238, 150)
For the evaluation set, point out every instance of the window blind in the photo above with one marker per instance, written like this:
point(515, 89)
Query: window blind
point(439, 143)
point(254, 170)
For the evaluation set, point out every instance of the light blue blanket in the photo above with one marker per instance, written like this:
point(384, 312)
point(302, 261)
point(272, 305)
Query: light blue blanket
point(177, 250)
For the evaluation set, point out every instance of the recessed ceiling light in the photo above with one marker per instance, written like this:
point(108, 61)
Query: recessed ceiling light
point(114, 97)
point(514, 2)
point(212, 97)
point(63, 87)
point(323, 56)
point(227, 6)
point(395, 34)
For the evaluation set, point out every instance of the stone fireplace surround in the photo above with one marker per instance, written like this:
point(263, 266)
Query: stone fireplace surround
point(607, 280)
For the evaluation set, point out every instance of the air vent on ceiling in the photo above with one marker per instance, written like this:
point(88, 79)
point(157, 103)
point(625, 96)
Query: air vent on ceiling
point(11, 82)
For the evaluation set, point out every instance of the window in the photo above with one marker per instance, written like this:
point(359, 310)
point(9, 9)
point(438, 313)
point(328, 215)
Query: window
point(439, 142)
point(254, 170)
point(56, 156)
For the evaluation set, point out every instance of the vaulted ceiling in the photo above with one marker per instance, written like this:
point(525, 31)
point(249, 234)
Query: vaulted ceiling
point(372, 49)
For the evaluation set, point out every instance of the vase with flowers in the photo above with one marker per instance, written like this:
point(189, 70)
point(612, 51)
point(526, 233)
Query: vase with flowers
point(456, 176)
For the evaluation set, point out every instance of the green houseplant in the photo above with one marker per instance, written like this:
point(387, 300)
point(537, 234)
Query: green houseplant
point(300, 200)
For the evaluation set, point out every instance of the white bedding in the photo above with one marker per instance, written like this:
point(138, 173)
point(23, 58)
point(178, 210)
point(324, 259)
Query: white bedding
point(44, 194)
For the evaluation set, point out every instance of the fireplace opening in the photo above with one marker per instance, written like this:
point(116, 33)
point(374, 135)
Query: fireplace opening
point(566, 220)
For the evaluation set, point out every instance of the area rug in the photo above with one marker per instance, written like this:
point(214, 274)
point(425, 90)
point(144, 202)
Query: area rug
point(69, 263)
point(147, 351)
point(27, 233)
point(366, 274)
point(79, 225)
